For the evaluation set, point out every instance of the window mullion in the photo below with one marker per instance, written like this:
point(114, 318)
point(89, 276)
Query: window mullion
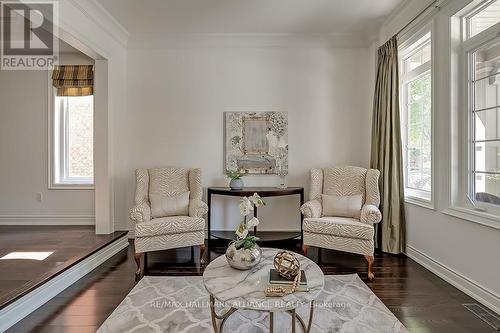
point(62, 135)
point(66, 139)
point(485, 140)
point(485, 109)
point(416, 72)
point(487, 172)
point(485, 77)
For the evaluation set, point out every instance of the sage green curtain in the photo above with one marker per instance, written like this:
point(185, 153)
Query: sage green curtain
point(386, 151)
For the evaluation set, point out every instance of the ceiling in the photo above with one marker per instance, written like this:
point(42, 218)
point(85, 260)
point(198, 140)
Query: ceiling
point(66, 48)
point(250, 16)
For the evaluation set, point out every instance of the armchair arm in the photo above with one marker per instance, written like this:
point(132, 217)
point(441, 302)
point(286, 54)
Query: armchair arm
point(197, 208)
point(370, 214)
point(312, 208)
point(140, 213)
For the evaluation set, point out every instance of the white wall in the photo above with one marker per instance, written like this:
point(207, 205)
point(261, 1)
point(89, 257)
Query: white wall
point(462, 251)
point(177, 96)
point(24, 154)
point(88, 28)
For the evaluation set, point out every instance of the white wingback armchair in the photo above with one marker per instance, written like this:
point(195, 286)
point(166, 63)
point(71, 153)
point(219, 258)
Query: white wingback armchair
point(154, 234)
point(355, 235)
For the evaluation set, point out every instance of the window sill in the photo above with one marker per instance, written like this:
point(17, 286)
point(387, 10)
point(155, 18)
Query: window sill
point(471, 215)
point(420, 202)
point(71, 187)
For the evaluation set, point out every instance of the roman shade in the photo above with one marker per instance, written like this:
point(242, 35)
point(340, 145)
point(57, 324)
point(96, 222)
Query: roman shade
point(73, 80)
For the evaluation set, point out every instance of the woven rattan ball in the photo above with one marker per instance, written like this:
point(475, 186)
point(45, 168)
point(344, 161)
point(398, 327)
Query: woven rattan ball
point(287, 264)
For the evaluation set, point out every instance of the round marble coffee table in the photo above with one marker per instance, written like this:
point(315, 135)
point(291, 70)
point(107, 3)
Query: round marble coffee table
point(237, 289)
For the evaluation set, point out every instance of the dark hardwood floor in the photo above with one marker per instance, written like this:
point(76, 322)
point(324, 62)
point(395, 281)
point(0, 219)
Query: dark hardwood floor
point(69, 245)
point(422, 301)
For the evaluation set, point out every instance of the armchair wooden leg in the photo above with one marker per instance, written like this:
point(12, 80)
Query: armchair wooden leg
point(304, 249)
point(371, 260)
point(138, 257)
point(202, 250)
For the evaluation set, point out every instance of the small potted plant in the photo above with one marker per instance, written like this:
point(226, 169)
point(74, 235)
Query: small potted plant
point(236, 182)
point(244, 253)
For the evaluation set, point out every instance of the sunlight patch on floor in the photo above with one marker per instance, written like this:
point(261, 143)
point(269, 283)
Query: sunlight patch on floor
point(27, 255)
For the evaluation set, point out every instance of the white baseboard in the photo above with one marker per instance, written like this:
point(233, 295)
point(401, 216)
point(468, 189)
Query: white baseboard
point(481, 294)
point(47, 220)
point(16, 311)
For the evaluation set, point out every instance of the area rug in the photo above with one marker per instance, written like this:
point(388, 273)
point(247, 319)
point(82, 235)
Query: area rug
point(180, 304)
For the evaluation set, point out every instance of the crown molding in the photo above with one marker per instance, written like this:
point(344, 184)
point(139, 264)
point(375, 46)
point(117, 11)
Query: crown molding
point(94, 11)
point(348, 40)
point(406, 12)
point(396, 11)
point(401, 15)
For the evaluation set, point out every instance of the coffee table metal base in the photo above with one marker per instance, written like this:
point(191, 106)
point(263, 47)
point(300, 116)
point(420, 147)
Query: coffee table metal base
point(219, 327)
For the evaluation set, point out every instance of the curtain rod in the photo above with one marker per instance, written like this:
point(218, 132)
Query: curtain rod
point(416, 17)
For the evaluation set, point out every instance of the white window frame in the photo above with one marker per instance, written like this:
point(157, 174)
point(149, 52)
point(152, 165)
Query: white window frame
point(407, 47)
point(469, 46)
point(460, 204)
point(57, 166)
point(466, 19)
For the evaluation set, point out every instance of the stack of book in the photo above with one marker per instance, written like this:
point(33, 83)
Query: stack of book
point(275, 279)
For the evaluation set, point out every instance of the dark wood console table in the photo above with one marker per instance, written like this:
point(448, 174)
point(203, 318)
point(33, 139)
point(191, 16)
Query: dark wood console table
point(247, 192)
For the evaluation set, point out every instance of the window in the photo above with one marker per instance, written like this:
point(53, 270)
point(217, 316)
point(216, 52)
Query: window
point(73, 159)
point(482, 17)
point(481, 52)
point(484, 122)
point(416, 111)
point(71, 127)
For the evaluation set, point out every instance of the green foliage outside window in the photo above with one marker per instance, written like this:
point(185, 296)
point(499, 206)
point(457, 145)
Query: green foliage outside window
point(419, 133)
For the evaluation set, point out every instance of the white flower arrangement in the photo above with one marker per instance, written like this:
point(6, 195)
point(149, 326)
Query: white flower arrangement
point(246, 207)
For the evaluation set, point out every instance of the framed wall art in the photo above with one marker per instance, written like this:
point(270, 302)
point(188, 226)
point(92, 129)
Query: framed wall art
point(256, 142)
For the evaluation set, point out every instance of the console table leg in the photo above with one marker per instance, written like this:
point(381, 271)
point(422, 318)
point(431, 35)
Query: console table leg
point(213, 315)
point(301, 217)
point(219, 328)
point(209, 204)
point(255, 215)
point(271, 322)
point(293, 320)
point(311, 312)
